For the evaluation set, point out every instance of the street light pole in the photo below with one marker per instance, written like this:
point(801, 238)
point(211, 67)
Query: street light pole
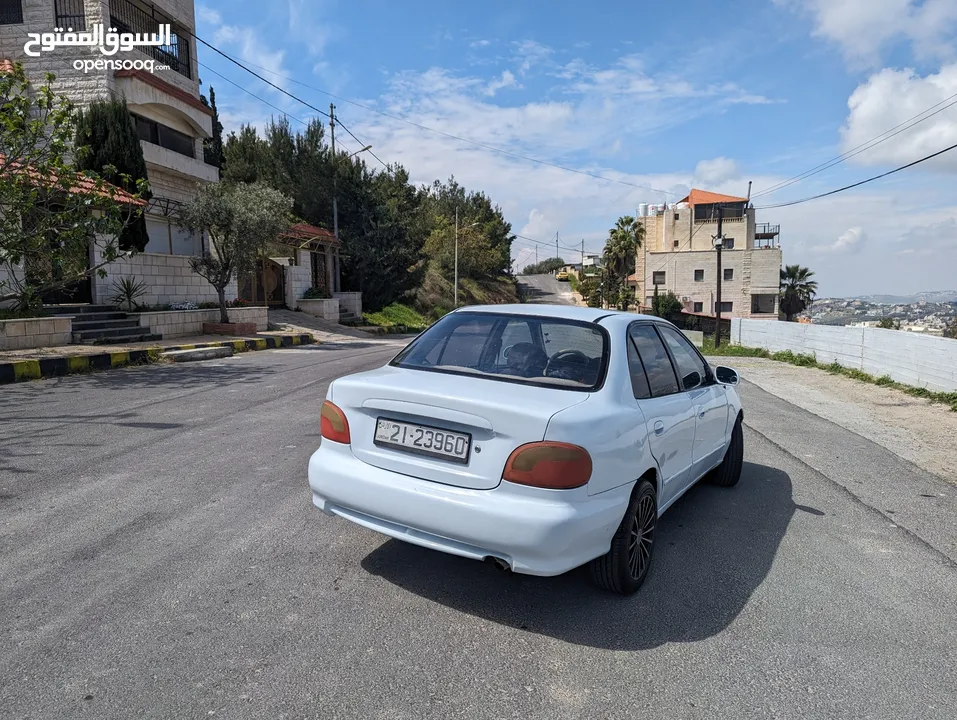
point(456, 303)
point(467, 227)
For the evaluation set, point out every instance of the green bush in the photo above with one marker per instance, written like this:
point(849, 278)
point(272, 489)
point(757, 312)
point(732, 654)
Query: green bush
point(316, 293)
point(397, 314)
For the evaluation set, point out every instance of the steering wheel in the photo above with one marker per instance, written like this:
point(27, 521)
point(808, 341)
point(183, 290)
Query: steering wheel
point(568, 358)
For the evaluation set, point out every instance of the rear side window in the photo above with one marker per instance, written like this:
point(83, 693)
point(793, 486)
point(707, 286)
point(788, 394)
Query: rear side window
point(688, 361)
point(639, 381)
point(551, 352)
point(658, 368)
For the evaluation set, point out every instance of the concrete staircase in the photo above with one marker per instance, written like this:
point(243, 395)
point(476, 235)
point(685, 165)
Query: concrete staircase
point(347, 317)
point(102, 325)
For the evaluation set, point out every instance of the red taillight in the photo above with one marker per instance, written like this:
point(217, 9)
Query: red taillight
point(553, 465)
point(333, 424)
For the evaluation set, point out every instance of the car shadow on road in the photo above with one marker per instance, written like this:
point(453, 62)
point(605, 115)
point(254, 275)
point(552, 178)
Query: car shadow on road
point(714, 548)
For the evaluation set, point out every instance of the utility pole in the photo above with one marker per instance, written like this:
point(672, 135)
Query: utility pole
point(335, 170)
point(556, 245)
point(718, 243)
point(456, 302)
point(536, 254)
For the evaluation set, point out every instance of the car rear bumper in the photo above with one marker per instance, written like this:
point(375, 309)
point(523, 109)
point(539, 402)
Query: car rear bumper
point(536, 532)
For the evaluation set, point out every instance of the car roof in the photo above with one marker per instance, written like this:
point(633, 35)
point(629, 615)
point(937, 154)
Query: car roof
point(568, 312)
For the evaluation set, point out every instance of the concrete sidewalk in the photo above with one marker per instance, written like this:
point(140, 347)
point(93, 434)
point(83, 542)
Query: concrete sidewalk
point(37, 363)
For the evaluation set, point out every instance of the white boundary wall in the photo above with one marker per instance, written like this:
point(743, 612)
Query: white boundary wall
point(919, 360)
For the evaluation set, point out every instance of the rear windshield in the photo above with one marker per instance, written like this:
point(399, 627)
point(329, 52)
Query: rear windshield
point(551, 352)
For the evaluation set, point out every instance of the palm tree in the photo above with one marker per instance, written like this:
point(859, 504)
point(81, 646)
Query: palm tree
point(797, 290)
point(621, 253)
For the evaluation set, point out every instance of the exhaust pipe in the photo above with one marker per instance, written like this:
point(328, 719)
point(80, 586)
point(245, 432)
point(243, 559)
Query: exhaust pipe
point(499, 563)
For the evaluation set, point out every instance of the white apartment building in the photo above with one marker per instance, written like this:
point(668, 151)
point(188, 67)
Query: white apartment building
point(171, 120)
point(678, 255)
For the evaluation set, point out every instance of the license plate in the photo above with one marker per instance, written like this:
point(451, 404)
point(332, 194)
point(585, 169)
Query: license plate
point(423, 440)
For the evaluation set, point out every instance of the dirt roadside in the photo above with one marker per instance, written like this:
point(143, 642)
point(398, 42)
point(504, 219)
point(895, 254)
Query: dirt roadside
point(914, 429)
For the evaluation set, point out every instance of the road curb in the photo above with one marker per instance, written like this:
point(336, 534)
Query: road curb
point(21, 370)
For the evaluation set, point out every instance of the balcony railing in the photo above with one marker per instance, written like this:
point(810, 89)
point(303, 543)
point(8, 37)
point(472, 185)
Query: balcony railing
point(127, 16)
point(714, 220)
point(766, 231)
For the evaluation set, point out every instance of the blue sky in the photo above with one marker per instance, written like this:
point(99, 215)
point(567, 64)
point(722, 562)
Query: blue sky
point(704, 94)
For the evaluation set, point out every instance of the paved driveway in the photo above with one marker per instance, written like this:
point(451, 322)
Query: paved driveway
point(160, 558)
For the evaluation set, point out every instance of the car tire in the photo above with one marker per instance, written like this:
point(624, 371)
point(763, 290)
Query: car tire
point(728, 472)
point(625, 566)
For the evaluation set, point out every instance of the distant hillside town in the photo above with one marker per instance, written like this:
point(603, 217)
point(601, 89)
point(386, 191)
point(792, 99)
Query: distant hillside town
point(929, 313)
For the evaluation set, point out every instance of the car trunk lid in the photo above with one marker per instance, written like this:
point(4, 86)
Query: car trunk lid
point(499, 416)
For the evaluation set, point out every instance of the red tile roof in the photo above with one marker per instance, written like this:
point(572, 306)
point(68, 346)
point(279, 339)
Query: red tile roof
point(80, 185)
point(6, 65)
point(181, 95)
point(304, 231)
point(705, 197)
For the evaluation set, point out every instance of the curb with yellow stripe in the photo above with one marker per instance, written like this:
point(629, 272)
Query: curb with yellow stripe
point(57, 366)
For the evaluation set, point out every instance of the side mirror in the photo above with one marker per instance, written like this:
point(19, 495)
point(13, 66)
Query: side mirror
point(726, 376)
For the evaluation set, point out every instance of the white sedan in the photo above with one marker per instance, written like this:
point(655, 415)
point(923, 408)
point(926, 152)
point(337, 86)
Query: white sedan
point(537, 437)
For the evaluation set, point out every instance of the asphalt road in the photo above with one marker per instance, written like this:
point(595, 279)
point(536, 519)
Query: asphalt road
point(545, 289)
point(161, 558)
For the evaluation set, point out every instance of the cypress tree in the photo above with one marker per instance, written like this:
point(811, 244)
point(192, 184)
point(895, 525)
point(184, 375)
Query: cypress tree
point(106, 132)
point(213, 147)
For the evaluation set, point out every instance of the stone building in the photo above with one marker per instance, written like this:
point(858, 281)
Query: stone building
point(678, 256)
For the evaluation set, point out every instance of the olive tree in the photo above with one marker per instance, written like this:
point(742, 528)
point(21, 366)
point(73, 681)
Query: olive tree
point(241, 220)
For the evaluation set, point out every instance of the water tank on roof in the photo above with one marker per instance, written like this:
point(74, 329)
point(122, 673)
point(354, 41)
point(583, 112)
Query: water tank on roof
point(660, 208)
point(642, 209)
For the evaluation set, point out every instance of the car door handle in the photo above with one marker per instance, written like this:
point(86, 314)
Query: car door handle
point(659, 428)
point(701, 412)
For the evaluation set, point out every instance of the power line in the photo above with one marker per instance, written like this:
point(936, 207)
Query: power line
point(286, 114)
point(873, 142)
point(251, 72)
point(423, 127)
point(249, 92)
point(862, 182)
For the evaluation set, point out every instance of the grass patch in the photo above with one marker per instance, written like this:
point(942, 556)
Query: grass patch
point(731, 350)
point(397, 314)
point(834, 368)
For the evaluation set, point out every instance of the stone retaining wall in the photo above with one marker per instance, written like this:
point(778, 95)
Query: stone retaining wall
point(183, 323)
point(35, 333)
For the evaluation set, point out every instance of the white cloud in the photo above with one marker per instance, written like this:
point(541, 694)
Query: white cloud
point(310, 25)
point(208, 15)
point(507, 80)
point(891, 97)
point(709, 173)
point(938, 240)
point(863, 28)
point(480, 43)
point(848, 241)
point(249, 47)
point(529, 53)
